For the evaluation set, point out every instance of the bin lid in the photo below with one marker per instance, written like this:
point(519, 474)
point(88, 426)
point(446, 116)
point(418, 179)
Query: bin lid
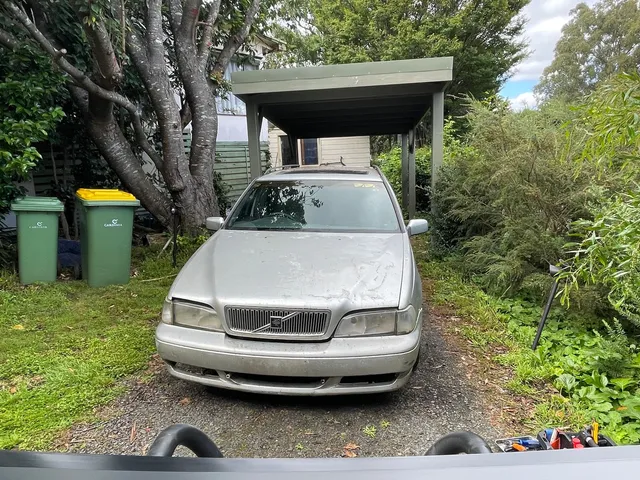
point(37, 204)
point(91, 196)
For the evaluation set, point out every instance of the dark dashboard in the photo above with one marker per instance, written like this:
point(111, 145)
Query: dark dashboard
point(440, 463)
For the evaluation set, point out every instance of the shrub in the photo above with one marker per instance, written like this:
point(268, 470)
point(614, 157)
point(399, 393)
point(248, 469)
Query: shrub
point(607, 251)
point(391, 165)
point(508, 197)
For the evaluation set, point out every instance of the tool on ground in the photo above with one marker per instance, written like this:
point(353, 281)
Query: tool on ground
point(518, 447)
point(576, 443)
point(553, 270)
point(594, 431)
point(529, 443)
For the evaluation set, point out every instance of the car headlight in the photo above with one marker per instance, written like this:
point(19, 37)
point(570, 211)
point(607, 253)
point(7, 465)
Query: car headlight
point(191, 315)
point(406, 320)
point(390, 322)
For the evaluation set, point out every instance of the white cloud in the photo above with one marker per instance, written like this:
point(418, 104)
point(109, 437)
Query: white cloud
point(523, 101)
point(544, 27)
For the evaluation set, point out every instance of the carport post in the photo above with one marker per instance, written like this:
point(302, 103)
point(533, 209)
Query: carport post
point(412, 173)
point(437, 147)
point(254, 122)
point(404, 171)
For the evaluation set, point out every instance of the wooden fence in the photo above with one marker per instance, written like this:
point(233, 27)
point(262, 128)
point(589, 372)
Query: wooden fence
point(232, 162)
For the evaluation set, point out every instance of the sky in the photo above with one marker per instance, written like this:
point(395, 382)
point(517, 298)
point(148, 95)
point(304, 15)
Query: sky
point(544, 27)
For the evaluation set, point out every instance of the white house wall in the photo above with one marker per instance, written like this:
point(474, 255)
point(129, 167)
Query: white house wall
point(233, 128)
point(355, 151)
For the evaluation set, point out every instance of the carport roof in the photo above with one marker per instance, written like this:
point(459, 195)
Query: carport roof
point(345, 100)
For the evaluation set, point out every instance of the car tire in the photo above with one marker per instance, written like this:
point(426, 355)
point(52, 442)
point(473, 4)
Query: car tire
point(415, 365)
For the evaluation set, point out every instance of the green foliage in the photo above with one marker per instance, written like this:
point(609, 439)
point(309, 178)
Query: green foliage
point(611, 115)
point(597, 42)
point(608, 254)
point(509, 192)
point(222, 193)
point(28, 92)
point(391, 165)
point(607, 250)
point(595, 367)
point(190, 243)
point(482, 37)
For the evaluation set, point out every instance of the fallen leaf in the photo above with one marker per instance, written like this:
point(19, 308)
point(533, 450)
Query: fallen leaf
point(351, 446)
point(17, 327)
point(349, 454)
point(13, 390)
point(132, 437)
point(185, 401)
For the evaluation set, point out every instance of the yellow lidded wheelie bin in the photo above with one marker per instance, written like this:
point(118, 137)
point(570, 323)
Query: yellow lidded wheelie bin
point(106, 228)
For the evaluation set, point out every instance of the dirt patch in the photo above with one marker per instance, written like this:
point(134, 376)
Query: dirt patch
point(507, 411)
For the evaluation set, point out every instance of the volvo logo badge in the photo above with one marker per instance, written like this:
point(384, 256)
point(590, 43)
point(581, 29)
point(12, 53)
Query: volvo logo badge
point(276, 322)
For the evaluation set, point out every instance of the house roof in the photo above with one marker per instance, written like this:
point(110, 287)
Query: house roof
point(345, 100)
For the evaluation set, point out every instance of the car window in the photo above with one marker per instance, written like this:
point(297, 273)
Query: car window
point(320, 205)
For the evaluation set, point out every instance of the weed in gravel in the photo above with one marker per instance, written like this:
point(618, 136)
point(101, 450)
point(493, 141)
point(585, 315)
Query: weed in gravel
point(370, 431)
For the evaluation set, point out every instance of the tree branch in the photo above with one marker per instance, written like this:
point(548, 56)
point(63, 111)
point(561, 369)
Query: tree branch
point(8, 41)
point(236, 39)
point(207, 33)
point(81, 79)
point(154, 34)
point(198, 92)
point(108, 70)
point(115, 148)
point(190, 15)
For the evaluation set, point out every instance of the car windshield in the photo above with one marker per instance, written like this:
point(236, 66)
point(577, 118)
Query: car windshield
point(317, 205)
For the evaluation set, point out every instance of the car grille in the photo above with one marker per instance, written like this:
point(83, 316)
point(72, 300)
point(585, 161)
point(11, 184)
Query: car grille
point(274, 322)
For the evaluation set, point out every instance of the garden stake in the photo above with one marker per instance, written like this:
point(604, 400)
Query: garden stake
point(175, 236)
point(552, 294)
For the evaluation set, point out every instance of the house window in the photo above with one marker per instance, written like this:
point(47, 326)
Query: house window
point(307, 151)
point(310, 151)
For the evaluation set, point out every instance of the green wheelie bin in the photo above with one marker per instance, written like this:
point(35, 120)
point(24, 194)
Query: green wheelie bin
point(37, 222)
point(106, 228)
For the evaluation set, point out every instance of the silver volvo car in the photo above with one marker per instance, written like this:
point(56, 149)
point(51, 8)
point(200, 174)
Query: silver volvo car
point(309, 287)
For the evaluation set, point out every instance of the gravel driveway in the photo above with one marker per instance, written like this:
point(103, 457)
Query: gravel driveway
point(438, 400)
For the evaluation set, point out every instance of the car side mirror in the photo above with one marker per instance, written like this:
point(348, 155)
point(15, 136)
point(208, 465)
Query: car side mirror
point(417, 226)
point(214, 223)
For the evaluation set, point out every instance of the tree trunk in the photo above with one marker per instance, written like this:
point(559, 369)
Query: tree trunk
point(115, 148)
point(189, 179)
point(195, 203)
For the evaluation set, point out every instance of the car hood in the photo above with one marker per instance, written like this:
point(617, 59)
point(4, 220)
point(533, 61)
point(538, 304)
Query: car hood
point(340, 271)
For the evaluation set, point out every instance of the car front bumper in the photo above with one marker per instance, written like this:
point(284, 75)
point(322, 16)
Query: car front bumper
point(335, 367)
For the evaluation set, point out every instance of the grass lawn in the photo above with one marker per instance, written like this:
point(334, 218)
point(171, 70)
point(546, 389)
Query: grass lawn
point(63, 347)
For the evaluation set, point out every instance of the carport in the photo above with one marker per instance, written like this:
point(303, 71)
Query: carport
point(375, 98)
